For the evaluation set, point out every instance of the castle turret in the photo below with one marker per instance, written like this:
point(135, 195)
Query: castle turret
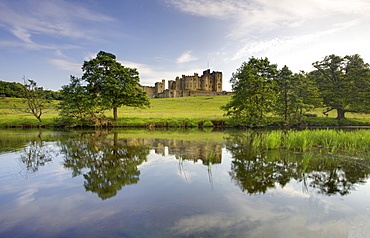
point(159, 87)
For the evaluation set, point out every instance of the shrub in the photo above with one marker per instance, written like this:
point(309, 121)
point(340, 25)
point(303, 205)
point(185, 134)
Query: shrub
point(191, 124)
point(207, 124)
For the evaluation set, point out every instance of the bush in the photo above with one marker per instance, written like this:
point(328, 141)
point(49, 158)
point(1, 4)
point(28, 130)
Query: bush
point(175, 123)
point(191, 124)
point(207, 124)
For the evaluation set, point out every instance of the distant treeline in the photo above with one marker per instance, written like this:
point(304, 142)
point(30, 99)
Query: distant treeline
point(16, 90)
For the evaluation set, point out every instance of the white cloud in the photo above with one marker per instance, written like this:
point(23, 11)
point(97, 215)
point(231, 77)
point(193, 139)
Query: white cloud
point(186, 57)
point(52, 18)
point(151, 74)
point(279, 45)
point(34, 46)
point(22, 34)
point(66, 65)
point(263, 15)
point(293, 32)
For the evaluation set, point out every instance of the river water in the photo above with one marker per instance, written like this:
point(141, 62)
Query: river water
point(137, 183)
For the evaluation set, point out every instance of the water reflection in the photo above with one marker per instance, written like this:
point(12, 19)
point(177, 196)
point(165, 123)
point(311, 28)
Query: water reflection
point(164, 203)
point(111, 163)
point(108, 163)
point(255, 170)
point(36, 154)
point(207, 152)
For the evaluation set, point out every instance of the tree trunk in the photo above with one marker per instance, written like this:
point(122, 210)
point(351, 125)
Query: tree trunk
point(115, 144)
point(340, 114)
point(38, 117)
point(115, 114)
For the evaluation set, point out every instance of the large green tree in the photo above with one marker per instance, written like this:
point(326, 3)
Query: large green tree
point(296, 95)
point(253, 85)
point(112, 83)
point(344, 83)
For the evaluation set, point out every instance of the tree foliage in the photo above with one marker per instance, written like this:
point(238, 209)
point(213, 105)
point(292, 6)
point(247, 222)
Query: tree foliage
point(296, 95)
point(77, 104)
point(8, 89)
point(34, 98)
point(344, 83)
point(254, 97)
point(113, 84)
point(105, 85)
point(338, 83)
point(14, 89)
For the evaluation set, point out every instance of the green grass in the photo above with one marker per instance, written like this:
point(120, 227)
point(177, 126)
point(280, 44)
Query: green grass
point(173, 112)
point(205, 107)
point(164, 112)
point(325, 139)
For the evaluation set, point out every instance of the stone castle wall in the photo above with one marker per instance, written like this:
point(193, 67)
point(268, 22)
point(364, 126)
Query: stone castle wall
point(194, 85)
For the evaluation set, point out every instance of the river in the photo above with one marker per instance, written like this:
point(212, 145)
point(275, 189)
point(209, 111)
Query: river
point(138, 183)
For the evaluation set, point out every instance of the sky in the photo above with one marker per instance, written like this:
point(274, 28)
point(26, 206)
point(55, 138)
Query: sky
point(49, 40)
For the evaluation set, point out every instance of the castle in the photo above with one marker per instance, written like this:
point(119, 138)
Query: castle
point(186, 86)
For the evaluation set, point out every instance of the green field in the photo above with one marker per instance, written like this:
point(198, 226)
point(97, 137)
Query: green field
point(169, 111)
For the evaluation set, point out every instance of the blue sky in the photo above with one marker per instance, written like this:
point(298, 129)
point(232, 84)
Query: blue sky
point(48, 40)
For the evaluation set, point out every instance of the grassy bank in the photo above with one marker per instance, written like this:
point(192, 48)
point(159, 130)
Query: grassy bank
point(164, 112)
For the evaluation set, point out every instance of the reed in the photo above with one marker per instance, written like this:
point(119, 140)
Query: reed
point(327, 139)
point(273, 140)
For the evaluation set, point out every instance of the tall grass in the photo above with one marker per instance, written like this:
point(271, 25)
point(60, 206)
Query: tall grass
point(273, 140)
point(328, 139)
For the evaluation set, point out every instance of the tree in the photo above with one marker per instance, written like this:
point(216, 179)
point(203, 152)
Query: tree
point(113, 84)
point(285, 100)
point(254, 97)
point(77, 104)
point(34, 97)
point(11, 89)
point(107, 164)
point(344, 83)
point(296, 95)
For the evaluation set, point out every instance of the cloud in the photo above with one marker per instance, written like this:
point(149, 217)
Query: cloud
point(264, 15)
point(186, 57)
point(292, 32)
point(282, 44)
point(36, 46)
point(209, 8)
point(51, 18)
point(66, 65)
point(22, 34)
point(151, 74)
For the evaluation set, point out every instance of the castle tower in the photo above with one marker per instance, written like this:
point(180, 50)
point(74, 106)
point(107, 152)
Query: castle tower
point(172, 84)
point(205, 81)
point(159, 87)
point(218, 76)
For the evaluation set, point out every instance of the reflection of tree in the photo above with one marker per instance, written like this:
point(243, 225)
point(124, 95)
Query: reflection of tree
point(111, 163)
point(36, 154)
point(338, 175)
point(255, 170)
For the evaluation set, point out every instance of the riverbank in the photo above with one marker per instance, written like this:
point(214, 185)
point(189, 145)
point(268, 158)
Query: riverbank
point(190, 112)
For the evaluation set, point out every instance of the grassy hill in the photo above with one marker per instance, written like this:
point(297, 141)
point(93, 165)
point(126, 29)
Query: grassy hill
point(169, 111)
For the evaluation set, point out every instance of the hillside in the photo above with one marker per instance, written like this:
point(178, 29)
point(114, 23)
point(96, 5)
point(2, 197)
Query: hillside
point(163, 111)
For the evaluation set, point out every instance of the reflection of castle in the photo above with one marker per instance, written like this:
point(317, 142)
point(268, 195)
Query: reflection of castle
point(185, 150)
point(194, 85)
